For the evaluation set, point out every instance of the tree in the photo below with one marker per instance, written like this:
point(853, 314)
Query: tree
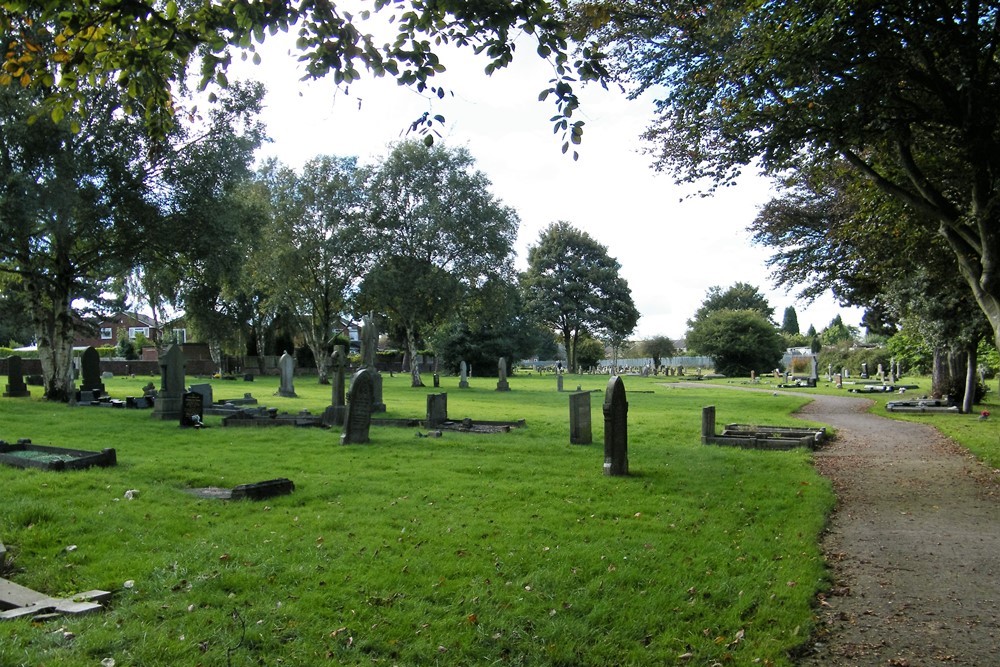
point(574, 286)
point(437, 235)
point(146, 47)
point(80, 210)
point(782, 83)
point(739, 341)
point(589, 351)
point(319, 253)
point(659, 347)
point(790, 322)
point(741, 296)
point(838, 332)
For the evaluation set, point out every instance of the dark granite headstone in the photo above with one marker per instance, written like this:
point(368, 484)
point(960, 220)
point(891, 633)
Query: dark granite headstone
point(192, 409)
point(437, 409)
point(358, 420)
point(261, 490)
point(707, 423)
point(90, 369)
point(16, 388)
point(615, 428)
point(580, 431)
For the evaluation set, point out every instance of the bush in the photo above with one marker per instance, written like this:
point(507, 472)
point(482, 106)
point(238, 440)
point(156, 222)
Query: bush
point(851, 358)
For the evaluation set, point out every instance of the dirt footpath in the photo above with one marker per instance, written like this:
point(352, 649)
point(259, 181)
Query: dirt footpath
point(914, 545)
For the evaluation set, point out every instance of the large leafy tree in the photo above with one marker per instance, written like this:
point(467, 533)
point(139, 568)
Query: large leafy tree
point(739, 296)
point(739, 341)
point(146, 46)
point(86, 200)
point(659, 347)
point(907, 94)
point(437, 235)
point(317, 251)
point(574, 286)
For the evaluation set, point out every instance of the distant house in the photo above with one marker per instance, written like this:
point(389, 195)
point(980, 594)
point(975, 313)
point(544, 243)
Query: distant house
point(127, 323)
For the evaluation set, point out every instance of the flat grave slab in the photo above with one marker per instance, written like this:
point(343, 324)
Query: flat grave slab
point(23, 454)
point(253, 491)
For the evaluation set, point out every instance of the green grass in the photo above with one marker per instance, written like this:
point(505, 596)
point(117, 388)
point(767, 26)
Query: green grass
point(466, 549)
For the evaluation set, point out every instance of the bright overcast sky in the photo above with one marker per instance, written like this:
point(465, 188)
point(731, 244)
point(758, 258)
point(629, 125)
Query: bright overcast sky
point(671, 248)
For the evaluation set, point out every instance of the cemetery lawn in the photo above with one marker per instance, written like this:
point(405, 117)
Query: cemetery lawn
point(509, 548)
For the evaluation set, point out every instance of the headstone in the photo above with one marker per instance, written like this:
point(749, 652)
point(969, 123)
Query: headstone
point(192, 409)
point(502, 384)
point(463, 376)
point(369, 342)
point(880, 373)
point(205, 390)
point(358, 419)
point(864, 370)
point(16, 388)
point(286, 369)
point(334, 414)
point(707, 423)
point(580, 430)
point(615, 428)
point(90, 368)
point(437, 380)
point(753, 377)
point(559, 382)
point(437, 409)
point(170, 397)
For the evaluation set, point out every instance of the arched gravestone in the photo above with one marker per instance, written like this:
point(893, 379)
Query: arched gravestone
point(286, 368)
point(615, 428)
point(358, 419)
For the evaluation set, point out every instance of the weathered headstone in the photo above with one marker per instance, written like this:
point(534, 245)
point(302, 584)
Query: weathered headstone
point(369, 348)
point(463, 376)
point(502, 384)
point(437, 409)
point(205, 390)
point(580, 422)
point(170, 397)
point(286, 369)
point(334, 414)
point(559, 382)
point(864, 370)
point(615, 428)
point(90, 368)
point(192, 409)
point(358, 419)
point(707, 423)
point(16, 388)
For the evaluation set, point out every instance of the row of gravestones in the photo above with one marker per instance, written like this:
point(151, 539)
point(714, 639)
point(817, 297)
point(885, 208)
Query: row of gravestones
point(90, 372)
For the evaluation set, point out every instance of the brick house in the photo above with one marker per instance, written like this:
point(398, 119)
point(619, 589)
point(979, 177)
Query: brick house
point(129, 322)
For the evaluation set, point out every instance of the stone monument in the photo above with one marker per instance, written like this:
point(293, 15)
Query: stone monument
point(334, 414)
point(615, 428)
point(358, 419)
point(286, 368)
point(170, 398)
point(502, 384)
point(369, 348)
point(580, 430)
point(90, 370)
point(16, 388)
point(463, 376)
point(437, 410)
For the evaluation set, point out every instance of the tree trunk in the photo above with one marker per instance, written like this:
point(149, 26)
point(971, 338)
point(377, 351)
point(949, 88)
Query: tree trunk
point(52, 320)
point(939, 374)
point(411, 344)
point(970, 379)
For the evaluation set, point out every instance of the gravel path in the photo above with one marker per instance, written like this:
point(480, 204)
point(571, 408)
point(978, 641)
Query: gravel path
point(914, 546)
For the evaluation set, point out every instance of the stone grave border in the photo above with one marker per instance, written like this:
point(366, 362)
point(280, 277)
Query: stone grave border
point(70, 459)
point(758, 436)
